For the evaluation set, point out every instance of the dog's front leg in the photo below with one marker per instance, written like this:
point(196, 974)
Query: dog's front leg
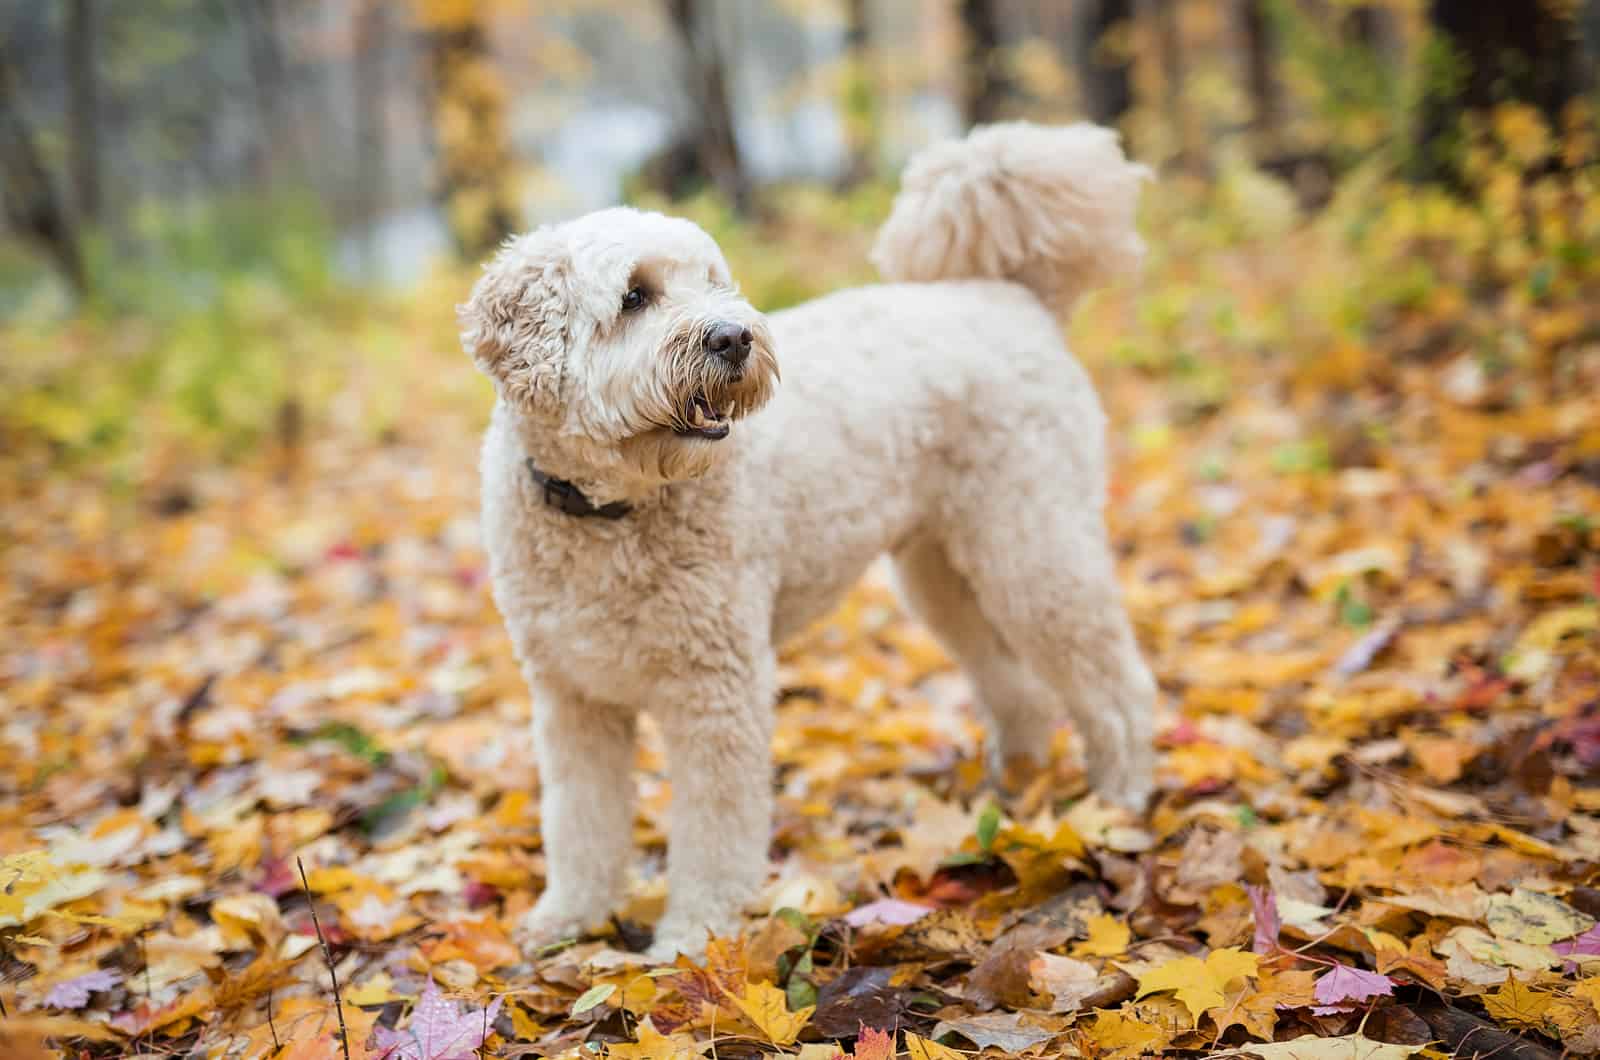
point(585, 753)
point(719, 761)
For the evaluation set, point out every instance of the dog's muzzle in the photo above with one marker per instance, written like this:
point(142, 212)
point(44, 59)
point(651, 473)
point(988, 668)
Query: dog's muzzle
point(708, 415)
point(704, 420)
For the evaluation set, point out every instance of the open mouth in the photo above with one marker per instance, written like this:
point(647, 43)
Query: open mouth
point(703, 420)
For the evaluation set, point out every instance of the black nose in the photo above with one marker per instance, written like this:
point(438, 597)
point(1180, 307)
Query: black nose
point(731, 342)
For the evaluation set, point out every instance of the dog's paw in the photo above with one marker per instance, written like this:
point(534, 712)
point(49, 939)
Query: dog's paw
point(666, 950)
point(550, 924)
point(1130, 790)
point(687, 936)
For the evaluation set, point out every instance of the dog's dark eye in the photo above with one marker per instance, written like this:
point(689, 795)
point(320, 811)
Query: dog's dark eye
point(633, 300)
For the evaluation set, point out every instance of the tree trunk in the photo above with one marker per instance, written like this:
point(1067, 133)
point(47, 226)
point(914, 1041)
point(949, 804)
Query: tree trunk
point(1169, 46)
point(862, 113)
point(1260, 49)
point(370, 195)
point(985, 84)
point(475, 185)
point(1105, 72)
point(83, 110)
point(31, 203)
point(270, 73)
point(1527, 53)
point(715, 144)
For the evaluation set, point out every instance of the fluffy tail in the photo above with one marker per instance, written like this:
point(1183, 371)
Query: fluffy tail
point(1050, 208)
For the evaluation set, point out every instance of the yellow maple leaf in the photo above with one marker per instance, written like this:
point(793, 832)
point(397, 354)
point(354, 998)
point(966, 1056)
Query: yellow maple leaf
point(1108, 937)
point(1517, 1005)
point(1121, 1035)
point(653, 1045)
point(765, 1006)
point(918, 1048)
point(1200, 984)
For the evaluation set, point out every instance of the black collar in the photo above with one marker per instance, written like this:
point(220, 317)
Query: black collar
point(565, 497)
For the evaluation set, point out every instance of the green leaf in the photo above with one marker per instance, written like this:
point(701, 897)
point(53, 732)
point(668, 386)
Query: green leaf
point(800, 991)
point(593, 996)
point(965, 857)
point(795, 919)
point(988, 827)
point(351, 739)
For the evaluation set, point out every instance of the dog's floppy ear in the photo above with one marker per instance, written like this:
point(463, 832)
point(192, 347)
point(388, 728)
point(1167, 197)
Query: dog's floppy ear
point(514, 324)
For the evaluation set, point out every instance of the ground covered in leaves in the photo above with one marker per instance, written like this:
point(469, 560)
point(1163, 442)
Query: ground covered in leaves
point(260, 724)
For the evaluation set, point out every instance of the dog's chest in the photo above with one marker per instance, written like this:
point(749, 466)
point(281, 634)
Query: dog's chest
point(610, 613)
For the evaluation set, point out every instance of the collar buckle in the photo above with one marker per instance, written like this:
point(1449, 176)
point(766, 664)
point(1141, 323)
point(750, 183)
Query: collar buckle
point(564, 497)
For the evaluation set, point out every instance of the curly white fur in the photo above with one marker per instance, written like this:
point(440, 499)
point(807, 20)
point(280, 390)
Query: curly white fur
point(1049, 208)
point(941, 421)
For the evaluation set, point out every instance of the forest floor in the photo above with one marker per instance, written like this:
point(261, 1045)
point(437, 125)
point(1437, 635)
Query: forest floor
point(1377, 827)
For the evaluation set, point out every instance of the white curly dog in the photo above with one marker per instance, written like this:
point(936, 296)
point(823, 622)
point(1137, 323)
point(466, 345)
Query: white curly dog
point(660, 512)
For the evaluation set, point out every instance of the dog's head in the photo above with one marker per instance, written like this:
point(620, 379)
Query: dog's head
point(621, 337)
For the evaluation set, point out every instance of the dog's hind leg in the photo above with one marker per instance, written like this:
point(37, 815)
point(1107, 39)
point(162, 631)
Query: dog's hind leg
point(585, 752)
point(1022, 711)
point(1046, 579)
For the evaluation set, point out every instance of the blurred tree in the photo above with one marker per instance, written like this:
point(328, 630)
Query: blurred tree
point(476, 179)
point(1104, 66)
point(83, 111)
point(985, 83)
point(1169, 53)
point(713, 143)
point(269, 72)
point(1489, 52)
point(863, 115)
point(1265, 93)
point(31, 203)
point(369, 41)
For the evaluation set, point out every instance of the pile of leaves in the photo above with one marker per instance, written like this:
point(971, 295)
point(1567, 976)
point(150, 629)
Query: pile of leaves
point(260, 728)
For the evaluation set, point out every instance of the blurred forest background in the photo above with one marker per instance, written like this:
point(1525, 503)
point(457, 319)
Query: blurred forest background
point(211, 205)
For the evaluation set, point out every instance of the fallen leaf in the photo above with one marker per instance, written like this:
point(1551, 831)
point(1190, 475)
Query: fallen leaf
point(1108, 937)
point(1342, 983)
point(1533, 918)
point(74, 993)
point(874, 1044)
point(918, 1048)
point(767, 1008)
point(1264, 909)
point(595, 995)
point(650, 1044)
point(438, 1030)
point(891, 911)
point(1348, 1047)
point(1518, 1006)
point(1199, 984)
point(1001, 1030)
point(1121, 1035)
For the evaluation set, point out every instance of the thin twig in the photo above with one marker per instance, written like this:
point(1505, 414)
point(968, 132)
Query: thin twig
point(327, 956)
point(270, 1025)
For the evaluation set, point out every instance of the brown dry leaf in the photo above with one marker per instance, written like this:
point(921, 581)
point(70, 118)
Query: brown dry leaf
point(1010, 1032)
